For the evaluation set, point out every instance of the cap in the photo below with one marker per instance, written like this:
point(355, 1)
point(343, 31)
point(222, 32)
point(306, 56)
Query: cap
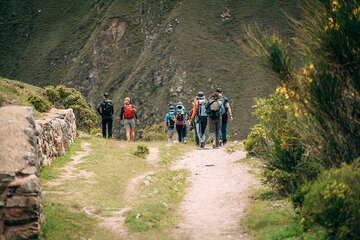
point(171, 108)
point(179, 104)
point(106, 94)
point(200, 95)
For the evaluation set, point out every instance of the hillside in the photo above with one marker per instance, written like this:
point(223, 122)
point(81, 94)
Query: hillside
point(157, 52)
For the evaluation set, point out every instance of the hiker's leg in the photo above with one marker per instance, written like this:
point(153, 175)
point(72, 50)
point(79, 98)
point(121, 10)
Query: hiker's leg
point(184, 130)
point(203, 128)
point(103, 122)
point(127, 133)
point(212, 129)
point(217, 133)
point(132, 134)
point(198, 133)
point(223, 132)
point(169, 135)
point(110, 123)
point(178, 130)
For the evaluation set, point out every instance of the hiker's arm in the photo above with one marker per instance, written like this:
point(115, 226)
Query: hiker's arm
point(194, 111)
point(137, 118)
point(122, 113)
point(112, 110)
point(98, 109)
point(165, 126)
point(230, 112)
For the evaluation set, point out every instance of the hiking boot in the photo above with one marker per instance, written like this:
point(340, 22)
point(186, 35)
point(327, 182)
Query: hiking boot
point(220, 143)
point(202, 144)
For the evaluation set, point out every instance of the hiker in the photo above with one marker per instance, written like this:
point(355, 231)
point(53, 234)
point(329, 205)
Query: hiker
point(215, 110)
point(180, 122)
point(224, 118)
point(199, 117)
point(129, 118)
point(106, 111)
point(169, 123)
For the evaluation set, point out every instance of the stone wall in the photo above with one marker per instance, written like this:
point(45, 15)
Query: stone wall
point(56, 131)
point(25, 145)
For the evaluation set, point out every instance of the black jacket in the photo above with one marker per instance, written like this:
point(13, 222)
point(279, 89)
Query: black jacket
point(101, 107)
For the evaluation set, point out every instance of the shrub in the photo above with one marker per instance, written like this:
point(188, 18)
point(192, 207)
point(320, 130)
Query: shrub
point(333, 202)
point(254, 143)
point(141, 151)
point(63, 97)
point(320, 127)
point(154, 132)
point(39, 103)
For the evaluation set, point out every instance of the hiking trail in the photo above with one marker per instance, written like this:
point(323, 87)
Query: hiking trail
point(218, 196)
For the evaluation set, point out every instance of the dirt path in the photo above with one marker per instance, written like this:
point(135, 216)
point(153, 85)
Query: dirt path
point(70, 172)
point(218, 196)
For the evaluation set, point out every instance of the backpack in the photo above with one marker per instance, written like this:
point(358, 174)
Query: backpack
point(107, 107)
point(128, 112)
point(171, 121)
point(201, 109)
point(180, 117)
point(214, 109)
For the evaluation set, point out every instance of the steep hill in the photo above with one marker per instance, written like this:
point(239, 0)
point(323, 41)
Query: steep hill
point(157, 52)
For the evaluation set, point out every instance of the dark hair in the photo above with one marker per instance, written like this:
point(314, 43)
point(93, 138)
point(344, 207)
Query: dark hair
point(218, 90)
point(106, 94)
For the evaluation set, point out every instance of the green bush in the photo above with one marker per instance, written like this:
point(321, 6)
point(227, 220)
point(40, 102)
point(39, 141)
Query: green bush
point(333, 202)
point(312, 122)
point(153, 133)
point(63, 97)
point(141, 151)
point(254, 143)
point(39, 103)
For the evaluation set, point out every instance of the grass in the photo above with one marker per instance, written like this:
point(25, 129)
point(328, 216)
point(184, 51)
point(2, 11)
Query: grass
point(272, 217)
point(168, 154)
point(16, 93)
point(158, 202)
point(64, 224)
point(54, 170)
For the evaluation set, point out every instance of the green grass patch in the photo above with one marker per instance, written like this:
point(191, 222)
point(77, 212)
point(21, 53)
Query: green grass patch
point(157, 206)
point(169, 153)
point(110, 164)
point(272, 217)
point(61, 223)
point(54, 170)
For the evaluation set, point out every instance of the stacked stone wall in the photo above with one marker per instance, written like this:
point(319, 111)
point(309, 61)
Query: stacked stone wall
point(25, 145)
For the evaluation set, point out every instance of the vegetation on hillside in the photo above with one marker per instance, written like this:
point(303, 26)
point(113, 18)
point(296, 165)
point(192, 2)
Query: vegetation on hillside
point(312, 122)
point(157, 52)
point(64, 97)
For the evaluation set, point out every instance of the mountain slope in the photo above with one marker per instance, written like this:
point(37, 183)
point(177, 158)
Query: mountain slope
point(157, 52)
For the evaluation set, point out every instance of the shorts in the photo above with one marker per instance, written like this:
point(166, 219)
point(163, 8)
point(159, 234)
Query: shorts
point(129, 123)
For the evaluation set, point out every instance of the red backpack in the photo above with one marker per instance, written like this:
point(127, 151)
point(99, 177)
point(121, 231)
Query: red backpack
point(128, 112)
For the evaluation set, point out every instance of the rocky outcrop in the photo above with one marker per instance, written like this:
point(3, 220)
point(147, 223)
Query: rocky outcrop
point(20, 192)
point(26, 145)
point(56, 131)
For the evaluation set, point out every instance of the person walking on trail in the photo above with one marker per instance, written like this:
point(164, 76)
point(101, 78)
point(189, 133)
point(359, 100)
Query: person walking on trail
point(180, 122)
point(169, 123)
point(215, 110)
point(106, 111)
point(199, 116)
point(129, 118)
point(225, 116)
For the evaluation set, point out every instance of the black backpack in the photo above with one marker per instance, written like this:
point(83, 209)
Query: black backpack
point(107, 107)
point(171, 122)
